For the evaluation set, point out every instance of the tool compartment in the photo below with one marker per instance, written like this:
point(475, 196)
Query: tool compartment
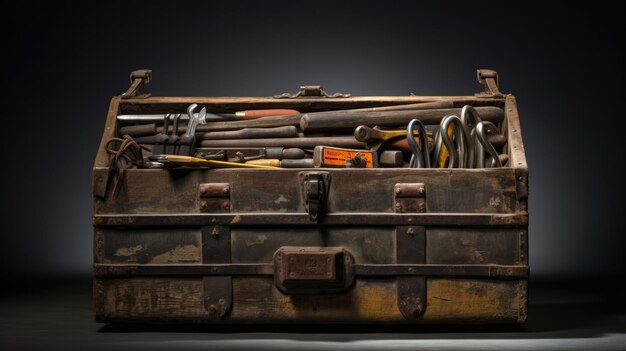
point(309, 245)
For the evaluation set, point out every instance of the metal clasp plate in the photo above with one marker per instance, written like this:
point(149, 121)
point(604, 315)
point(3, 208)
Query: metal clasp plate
point(315, 192)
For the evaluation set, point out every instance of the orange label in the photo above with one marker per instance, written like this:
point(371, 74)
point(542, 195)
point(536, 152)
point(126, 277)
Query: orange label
point(338, 157)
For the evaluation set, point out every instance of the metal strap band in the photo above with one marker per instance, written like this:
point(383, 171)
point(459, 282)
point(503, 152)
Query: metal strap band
point(364, 218)
point(362, 270)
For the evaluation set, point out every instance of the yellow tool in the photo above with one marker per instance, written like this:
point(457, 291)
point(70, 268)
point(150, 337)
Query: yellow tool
point(444, 151)
point(369, 135)
point(285, 163)
point(179, 160)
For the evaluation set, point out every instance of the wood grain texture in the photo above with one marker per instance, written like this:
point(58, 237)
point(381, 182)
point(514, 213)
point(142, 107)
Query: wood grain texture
point(257, 300)
point(478, 246)
point(366, 244)
point(154, 191)
point(150, 246)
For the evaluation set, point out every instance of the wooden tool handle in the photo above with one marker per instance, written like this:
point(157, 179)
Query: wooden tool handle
point(254, 114)
point(337, 120)
point(264, 122)
point(265, 162)
point(302, 143)
point(252, 133)
point(139, 130)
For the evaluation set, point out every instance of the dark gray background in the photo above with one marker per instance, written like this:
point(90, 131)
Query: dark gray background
point(66, 59)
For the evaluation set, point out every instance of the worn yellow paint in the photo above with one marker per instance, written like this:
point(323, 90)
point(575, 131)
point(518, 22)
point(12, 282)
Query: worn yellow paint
point(257, 300)
point(180, 254)
point(465, 299)
point(128, 251)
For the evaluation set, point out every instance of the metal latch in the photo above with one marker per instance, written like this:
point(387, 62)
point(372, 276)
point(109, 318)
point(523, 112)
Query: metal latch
point(138, 80)
point(315, 191)
point(310, 91)
point(488, 78)
point(313, 270)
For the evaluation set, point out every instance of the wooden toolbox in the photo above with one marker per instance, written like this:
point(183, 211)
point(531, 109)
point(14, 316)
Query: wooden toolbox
point(188, 242)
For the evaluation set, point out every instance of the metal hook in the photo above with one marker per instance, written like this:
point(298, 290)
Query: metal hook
point(470, 118)
point(481, 133)
point(421, 156)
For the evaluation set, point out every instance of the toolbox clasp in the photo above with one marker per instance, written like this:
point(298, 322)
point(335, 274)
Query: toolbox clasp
point(315, 192)
point(138, 80)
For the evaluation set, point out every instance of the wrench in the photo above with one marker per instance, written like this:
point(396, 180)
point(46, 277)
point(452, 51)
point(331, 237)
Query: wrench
point(188, 140)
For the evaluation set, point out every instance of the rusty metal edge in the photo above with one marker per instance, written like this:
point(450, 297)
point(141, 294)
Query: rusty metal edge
point(363, 270)
point(519, 219)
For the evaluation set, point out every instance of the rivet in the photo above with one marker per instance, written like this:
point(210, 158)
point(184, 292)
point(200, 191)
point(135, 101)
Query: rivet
point(226, 190)
point(221, 301)
point(227, 206)
point(398, 191)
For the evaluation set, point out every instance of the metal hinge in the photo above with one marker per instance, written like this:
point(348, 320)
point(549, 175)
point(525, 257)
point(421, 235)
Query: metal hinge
point(310, 91)
point(315, 191)
point(214, 197)
point(488, 78)
point(409, 198)
point(138, 80)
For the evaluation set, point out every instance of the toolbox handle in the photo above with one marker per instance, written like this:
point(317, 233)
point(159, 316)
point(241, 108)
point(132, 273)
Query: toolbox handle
point(311, 91)
point(489, 78)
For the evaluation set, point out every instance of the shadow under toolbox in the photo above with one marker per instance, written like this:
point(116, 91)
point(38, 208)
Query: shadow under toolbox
point(311, 208)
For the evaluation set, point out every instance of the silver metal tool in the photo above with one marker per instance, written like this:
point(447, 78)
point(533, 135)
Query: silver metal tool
point(462, 151)
point(187, 140)
point(482, 129)
point(470, 118)
point(421, 156)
